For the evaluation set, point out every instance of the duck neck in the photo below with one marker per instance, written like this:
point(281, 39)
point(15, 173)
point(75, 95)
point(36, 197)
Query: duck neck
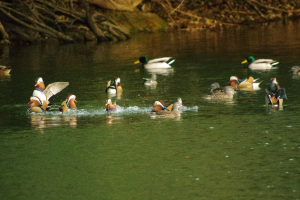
point(71, 104)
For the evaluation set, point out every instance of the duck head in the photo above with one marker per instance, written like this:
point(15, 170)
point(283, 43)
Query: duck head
point(143, 60)
point(109, 105)
point(273, 85)
point(215, 87)
point(295, 69)
point(234, 81)
point(250, 59)
point(70, 101)
point(158, 106)
point(118, 81)
point(179, 101)
point(40, 83)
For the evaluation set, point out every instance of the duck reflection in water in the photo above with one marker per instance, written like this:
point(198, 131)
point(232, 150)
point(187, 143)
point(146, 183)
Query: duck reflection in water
point(44, 121)
point(150, 83)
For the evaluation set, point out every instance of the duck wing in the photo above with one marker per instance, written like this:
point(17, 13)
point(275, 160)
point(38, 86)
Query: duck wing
point(159, 60)
point(266, 61)
point(54, 88)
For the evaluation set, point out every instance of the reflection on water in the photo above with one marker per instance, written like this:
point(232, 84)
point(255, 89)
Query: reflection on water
point(164, 72)
point(46, 121)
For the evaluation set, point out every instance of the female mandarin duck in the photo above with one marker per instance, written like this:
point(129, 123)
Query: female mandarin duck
point(150, 81)
point(40, 97)
point(275, 94)
point(68, 104)
point(226, 93)
point(4, 71)
point(110, 106)
point(295, 70)
point(251, 63)
point(249, 83)
point(114, 87)
point(155, 63)
point(215, 88)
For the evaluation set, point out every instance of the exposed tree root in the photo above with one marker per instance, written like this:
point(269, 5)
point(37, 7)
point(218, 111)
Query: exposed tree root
point(46, 19)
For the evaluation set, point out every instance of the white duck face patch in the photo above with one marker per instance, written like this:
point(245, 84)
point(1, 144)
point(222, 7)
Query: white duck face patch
point(40, 80)
point(233, 78)
point(71, 97)
point(107, 101)
point(158, 103)
point(118, 81)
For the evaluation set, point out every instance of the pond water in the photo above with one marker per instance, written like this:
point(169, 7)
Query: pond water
point(237, 149)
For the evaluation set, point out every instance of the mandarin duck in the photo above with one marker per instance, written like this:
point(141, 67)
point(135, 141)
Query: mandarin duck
point(40, 97)
point(110, 106)
point(275, 94)
point(249, 83)
point(114, 87)
point(295, 70)
point(150, 81)
point(4, 70)
point(227, 93)
point(68, 104)
point(251, 63)
point(160, 105)
point(155, 63)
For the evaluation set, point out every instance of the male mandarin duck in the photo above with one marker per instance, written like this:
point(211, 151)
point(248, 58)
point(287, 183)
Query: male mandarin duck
point(249, 83)
point(227, 93)
point(68, 104)
point(155, 63)
point(170, 113)
point(275, 94)
point(251, 63)
point(110, 106)
point(295, 70)
point(4, 70)
point(160, 105)
point(40, 97)
point(150, 81)
point(114, 87)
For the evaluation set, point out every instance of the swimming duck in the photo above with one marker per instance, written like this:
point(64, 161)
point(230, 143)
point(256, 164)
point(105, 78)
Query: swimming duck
point(275, 94)
point(249, 83)
point(251, 63)
point(110, 106)
point(295, 70)
point(40, 97)
point(155, 63)
point(114, 87)
point(4, 70)
point(150, 81)
point(227, 93)
point(68, 104)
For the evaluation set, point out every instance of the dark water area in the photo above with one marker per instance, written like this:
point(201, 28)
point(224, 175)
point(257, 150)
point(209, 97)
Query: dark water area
point(231, 149)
